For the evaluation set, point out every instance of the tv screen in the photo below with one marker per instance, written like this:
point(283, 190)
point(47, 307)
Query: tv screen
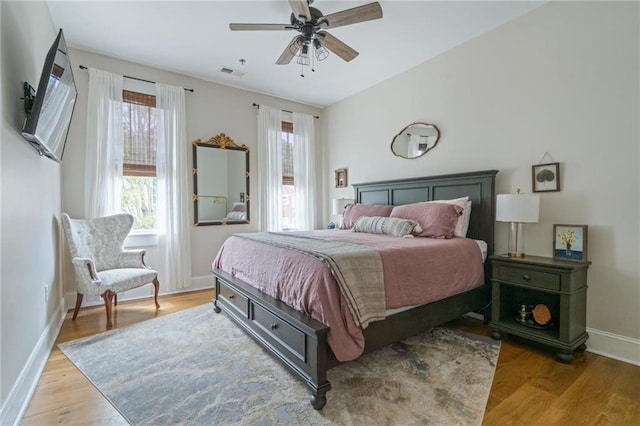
point(47, 124)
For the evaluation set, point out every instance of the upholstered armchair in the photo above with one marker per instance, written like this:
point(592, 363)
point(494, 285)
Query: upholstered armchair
point(100, 263)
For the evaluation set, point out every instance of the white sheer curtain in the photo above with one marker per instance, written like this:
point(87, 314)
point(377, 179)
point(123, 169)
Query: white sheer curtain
point(304, 170)
point(103, 157)
point(173, 187)
point(270, 167)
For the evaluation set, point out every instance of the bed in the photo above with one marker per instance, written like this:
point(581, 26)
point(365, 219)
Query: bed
point(301, 342)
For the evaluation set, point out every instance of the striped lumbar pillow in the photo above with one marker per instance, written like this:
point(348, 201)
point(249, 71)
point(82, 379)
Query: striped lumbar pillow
point(387, 225)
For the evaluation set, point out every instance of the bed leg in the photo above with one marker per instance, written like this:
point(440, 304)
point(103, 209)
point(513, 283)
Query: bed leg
point(319, 394)
point(216, 309)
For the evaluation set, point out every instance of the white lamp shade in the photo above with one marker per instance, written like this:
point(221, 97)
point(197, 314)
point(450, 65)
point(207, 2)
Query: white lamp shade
point(523, 208)
point(339, 204)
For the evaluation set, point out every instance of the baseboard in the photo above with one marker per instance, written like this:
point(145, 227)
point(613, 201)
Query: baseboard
point(614, 346)
point(201, 282)
point(475, 315)
point(18, 398)
point(197, 283)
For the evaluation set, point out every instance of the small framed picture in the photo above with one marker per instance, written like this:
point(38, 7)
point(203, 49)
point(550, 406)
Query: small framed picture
point(545, 177)
point(341, 178)
point(570, 242)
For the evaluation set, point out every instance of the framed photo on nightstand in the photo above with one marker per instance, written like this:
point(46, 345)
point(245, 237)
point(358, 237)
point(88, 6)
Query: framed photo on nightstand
point(570, 242)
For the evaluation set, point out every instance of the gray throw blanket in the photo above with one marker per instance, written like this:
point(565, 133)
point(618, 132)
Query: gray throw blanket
point(357, 270)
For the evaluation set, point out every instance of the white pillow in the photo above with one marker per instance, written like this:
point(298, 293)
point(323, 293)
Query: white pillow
point(462, 226)
point(236, 216)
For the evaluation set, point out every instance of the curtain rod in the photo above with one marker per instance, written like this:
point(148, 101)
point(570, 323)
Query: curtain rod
point(82, 67)
point(284, 110)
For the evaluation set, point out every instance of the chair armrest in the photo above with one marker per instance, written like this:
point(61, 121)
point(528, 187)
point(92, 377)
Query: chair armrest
point(85, 271)
point(132, 259)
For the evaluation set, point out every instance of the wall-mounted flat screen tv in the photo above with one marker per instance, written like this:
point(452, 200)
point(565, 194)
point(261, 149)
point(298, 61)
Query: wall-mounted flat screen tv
point(47, 122)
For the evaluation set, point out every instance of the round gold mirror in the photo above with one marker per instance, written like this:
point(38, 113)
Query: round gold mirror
point(415, 140)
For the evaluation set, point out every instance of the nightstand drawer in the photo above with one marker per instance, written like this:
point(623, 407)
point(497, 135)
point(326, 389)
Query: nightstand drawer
point(528, 277)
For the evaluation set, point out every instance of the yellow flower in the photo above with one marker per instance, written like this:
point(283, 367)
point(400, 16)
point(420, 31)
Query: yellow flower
point(567, 237)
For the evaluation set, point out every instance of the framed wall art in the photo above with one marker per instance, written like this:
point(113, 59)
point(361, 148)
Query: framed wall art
point(341, 178)
point(545, 177)
point(570, 242)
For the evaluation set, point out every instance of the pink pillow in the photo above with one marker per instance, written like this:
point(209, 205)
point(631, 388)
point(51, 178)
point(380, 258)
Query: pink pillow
point(353, 211)
point(438, 220)
point(239, 208)
point(463, 221)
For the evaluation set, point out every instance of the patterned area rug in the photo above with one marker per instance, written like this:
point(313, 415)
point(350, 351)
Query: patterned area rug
point(195, 367)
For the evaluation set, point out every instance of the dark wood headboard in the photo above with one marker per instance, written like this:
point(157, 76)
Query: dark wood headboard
point(479, 186)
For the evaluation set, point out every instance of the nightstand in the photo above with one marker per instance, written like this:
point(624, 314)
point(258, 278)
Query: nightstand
point(529, 281)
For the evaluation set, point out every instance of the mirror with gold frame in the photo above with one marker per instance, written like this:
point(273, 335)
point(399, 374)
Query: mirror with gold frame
point(220, 182)
point(415, 140)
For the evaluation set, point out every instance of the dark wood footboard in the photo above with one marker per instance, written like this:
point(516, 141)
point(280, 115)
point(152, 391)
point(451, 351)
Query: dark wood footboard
point(297, 340)
point(300, 342)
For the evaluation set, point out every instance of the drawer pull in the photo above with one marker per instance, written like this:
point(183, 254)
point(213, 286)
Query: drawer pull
point(231, 296)
point(274, 326)
point(526, 277)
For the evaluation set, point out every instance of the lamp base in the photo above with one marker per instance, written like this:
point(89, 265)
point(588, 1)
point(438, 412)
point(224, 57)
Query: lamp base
point(516, 240)
point(515, 254)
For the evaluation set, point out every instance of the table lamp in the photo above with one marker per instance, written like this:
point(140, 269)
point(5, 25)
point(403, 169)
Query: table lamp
point(517, 209)
point(338, 207)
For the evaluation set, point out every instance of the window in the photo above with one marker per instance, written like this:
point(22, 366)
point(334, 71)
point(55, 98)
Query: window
point(287, 215)
point(139, 179)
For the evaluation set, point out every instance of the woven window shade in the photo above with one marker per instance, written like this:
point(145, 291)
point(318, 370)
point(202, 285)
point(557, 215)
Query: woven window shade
point(287, 153)
point(139, 118)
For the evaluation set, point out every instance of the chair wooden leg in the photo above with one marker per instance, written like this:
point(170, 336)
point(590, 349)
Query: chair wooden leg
point(108, 298)
point(78, 303)
point(156, 284)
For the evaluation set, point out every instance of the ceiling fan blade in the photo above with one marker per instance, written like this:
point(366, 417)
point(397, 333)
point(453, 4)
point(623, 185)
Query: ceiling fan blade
point(354, 15)
point(260, 27)
point(300, 8)
point(336, 46)
point(290, 51)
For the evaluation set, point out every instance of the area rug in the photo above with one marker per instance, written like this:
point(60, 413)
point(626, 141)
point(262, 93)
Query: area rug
point(196, 367)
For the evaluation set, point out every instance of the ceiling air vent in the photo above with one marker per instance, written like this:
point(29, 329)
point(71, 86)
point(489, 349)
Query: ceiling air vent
point(231, 71)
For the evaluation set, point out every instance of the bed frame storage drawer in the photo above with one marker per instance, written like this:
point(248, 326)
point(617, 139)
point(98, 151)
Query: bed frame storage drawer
point(233, 299)
point(298, 341)
point(279, 331)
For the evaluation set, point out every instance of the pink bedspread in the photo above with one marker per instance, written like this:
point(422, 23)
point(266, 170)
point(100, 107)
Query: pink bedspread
point(416, 271)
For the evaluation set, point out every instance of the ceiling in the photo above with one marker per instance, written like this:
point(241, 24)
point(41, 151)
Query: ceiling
point(193, 38)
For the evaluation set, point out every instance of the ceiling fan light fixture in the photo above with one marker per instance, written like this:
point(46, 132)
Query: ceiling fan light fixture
point(295, 45)
point(303, 57)
point(321, 52)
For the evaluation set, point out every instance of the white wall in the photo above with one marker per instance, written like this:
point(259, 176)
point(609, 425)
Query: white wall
point(562, 79)
point(211, 109)
point(31, 194)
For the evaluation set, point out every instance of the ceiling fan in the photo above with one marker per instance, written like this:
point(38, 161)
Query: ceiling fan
point(311, 25)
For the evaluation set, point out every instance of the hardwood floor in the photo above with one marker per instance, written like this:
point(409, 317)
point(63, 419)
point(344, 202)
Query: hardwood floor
point(529, 386)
